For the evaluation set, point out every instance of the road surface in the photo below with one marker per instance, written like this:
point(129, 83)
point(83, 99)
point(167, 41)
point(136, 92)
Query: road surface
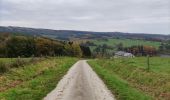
point(80, 83)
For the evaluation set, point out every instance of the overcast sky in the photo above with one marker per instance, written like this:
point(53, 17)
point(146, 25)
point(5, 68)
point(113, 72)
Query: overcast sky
point(142, 16)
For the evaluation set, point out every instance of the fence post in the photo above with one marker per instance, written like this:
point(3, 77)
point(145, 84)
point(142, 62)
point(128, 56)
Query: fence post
point(148, 63)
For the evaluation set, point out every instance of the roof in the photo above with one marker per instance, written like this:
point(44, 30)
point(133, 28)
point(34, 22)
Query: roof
point(122, 53)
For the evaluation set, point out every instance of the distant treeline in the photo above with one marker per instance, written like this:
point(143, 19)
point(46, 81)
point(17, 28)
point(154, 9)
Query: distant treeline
point(141, 50)
point(27, 46)
point(107, 50)
point(165, 47)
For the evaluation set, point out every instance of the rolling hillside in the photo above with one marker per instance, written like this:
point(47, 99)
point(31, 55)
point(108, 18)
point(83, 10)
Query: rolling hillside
point(72, 34)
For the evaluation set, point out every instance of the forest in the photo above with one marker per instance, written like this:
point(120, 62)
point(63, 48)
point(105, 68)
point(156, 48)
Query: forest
point(28, 46)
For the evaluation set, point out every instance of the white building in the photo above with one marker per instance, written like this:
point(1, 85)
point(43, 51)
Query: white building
point(123, 54)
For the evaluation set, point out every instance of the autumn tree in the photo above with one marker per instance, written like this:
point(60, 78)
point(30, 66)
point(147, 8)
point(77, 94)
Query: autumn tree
point(19, 46)
point(24, 46)
point(85, 51)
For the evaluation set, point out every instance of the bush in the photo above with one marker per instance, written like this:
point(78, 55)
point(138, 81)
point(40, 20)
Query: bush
point(18, 63)
point(3, 67)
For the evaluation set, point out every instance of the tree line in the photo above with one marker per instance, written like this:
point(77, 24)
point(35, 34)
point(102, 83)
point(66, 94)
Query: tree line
point(137, 50)
point(27, 46)
point(141, 50)
point(165, 47)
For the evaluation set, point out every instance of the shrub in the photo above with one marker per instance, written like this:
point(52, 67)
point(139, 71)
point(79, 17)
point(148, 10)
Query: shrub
point(3, 67)
point(18, 63)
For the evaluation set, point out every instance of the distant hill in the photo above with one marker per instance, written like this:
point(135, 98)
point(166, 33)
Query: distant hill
point(72, 34)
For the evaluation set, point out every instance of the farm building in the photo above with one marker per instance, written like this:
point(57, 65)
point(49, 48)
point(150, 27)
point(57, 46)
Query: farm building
point(123, 54)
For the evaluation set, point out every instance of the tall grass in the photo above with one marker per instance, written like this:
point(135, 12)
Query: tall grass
point(34, 81)
point(7, 63)
point(3, 67)
point(119, 87)
point(155, 83)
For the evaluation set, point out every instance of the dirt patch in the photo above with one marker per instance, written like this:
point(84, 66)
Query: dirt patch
point(10, 85)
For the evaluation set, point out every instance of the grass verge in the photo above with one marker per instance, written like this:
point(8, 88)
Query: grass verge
point(33, 82)
point(133, 71)
point(6, 64)
point(119, 87)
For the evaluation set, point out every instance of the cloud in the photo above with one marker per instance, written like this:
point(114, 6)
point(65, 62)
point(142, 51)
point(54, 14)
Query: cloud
point(149, 16)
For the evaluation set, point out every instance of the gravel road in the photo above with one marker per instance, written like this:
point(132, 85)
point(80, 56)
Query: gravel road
point(80, 83)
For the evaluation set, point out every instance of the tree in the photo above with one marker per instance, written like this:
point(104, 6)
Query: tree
point(14, 46)
point(119, 46)
point(104, 47)
point(77, 50)
point(19, 46)
point(2, 50)
point(44, 47)
point(85, 51)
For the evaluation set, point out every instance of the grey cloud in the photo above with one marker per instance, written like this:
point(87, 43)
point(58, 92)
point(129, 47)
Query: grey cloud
point(149, 16)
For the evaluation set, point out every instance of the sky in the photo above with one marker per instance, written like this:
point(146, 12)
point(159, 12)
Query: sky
point(136, 16)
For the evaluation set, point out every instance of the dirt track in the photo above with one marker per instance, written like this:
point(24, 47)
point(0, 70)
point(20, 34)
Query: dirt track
point(80, 83)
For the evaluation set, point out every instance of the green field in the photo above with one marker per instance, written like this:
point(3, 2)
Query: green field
point(125, 42)
point(33, 81)
point(129, 79)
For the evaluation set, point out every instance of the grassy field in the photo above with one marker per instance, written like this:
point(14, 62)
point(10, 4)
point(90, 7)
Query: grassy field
point(6, 64)
point(129, 79)
point(33, 81)
point(10, 60)
point(126, 42)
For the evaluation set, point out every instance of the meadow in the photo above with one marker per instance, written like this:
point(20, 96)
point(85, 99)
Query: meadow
point(34, 80)
point(129, 79)
point(6, 64)
point(126, 42)
point(8, 60)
